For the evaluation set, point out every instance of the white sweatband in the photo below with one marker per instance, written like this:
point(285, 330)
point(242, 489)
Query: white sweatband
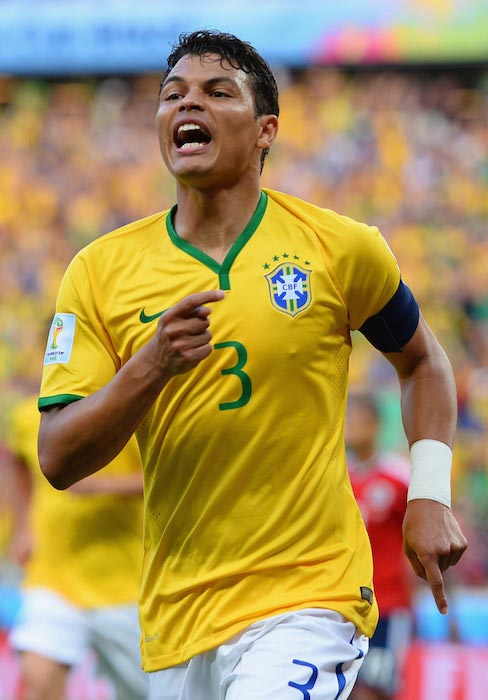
point(430, 471)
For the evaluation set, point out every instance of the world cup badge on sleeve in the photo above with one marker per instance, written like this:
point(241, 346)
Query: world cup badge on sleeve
point(60, 339)
point(289, 288)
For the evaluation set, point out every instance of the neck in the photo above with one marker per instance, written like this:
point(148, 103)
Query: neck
point(212, 221)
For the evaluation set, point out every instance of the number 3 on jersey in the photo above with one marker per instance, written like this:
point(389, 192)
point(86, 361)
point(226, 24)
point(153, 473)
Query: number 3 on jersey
point(245, 379)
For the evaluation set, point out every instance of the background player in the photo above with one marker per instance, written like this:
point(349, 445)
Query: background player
point(82, 552)
point(380, 484)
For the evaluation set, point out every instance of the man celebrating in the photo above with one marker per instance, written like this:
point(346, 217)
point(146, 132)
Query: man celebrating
point(257, 576)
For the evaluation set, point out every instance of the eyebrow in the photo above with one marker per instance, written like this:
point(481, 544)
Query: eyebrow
point(209, 82)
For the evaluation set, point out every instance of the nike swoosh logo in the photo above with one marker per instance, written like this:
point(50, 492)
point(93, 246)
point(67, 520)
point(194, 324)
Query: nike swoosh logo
point(143, 318)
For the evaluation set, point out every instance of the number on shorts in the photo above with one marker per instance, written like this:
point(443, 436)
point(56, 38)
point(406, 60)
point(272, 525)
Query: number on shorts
point(305, 687)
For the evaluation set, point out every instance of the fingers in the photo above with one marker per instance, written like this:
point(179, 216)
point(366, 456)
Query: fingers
point(428, 568)
point(187, 328)
point(432, 560)
point(459, 546)
point(433, 541)
point(192, 305)
point(183, 334)
point(416, 563)
point(434, 578)
point(457, 554)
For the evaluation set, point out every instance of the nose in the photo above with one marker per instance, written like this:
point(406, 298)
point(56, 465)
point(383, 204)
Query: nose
point(191, 101)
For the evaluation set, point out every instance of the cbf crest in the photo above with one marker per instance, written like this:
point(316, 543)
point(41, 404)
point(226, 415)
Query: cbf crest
point(289, 288)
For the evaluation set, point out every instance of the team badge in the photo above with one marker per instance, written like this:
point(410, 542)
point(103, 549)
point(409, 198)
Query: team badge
point(289, 288)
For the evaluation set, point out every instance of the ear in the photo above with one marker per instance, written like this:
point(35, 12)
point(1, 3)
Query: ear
point(268, 128)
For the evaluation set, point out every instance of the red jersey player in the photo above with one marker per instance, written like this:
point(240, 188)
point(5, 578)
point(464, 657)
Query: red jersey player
point(380, 483)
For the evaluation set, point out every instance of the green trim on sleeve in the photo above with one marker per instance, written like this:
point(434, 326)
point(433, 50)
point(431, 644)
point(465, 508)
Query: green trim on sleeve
point(59, 400)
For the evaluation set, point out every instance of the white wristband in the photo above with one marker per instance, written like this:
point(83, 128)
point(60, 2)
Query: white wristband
point(430, 471)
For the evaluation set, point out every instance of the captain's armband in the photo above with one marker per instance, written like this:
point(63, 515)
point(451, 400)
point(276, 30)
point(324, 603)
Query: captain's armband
point(390, 329)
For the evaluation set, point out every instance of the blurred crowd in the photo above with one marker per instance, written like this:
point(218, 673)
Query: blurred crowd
point(406, 151)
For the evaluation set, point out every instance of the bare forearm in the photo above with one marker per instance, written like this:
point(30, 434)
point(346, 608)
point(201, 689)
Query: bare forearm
point(81, 438)
point(429, 403)
point(432, 538)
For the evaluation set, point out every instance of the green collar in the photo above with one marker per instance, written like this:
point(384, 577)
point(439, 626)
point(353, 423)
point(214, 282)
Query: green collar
point(222, 270)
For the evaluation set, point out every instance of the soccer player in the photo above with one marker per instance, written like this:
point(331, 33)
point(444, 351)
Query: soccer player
point(82, 552)
point(257, 575)
point(380, 483)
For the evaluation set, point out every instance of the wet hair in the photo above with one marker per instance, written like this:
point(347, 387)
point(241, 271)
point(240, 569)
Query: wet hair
point(240, 55)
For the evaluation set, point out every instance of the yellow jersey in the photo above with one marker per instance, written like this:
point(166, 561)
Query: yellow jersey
point(87, 547)
point(5, 511)
point(249, 510)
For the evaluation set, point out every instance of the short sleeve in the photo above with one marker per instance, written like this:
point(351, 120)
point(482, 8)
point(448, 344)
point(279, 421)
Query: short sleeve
point(79, 358)
point(369, 274)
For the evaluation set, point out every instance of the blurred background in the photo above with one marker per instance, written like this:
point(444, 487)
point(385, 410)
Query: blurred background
point(384, 118)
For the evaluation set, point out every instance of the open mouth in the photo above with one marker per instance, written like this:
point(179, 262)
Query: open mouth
point(191, 136)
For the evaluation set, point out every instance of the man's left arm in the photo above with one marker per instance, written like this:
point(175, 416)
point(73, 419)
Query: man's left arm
point(433, 540)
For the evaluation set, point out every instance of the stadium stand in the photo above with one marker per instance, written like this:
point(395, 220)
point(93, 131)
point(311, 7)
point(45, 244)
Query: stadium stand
point(405, 150)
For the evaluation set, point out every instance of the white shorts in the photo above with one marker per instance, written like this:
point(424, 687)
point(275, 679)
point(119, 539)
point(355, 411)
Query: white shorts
point(51, 626)
point(310, 654)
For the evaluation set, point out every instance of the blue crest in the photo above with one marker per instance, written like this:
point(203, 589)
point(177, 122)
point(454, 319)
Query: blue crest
point(289, 287)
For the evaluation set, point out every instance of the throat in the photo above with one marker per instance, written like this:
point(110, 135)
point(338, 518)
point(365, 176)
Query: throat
point(213, 224)
point(214, 244)
point(216, 252)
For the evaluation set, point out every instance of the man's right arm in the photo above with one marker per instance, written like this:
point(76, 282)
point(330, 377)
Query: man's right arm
point(79, 439)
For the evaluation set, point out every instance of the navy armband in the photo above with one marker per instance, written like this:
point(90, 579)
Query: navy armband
point(391, 328)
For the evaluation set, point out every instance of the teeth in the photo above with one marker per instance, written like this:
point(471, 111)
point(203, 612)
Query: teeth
point(194, 144)
point(188, 127)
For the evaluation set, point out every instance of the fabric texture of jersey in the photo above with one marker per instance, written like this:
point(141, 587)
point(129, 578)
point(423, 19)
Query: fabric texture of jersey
point(88, 546)
point(249, 510)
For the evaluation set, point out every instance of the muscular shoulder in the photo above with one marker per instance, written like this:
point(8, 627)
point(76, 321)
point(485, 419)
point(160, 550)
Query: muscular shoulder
point(357, 255)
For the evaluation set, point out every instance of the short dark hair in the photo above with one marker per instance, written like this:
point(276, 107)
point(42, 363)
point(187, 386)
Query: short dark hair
point(239, 54)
